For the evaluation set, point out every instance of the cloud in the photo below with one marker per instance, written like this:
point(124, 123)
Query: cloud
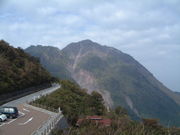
point(147, 30)
point(47, 11)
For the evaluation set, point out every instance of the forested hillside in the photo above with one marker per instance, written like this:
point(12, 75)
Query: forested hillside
point(77, 104)
point(74, 101)
point(19, 70)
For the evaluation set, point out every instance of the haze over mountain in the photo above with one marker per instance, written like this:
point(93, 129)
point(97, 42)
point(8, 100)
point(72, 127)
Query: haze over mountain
point(116, 75)
point(52, 59)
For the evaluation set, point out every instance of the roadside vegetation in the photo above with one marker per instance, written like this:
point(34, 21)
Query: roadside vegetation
point(120, 126)
point(19, 71)
point(76, 103)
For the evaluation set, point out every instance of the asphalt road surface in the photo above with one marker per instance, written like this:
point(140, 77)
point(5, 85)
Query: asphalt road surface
point(32, 97)
point(30, 118)
point(28, 121)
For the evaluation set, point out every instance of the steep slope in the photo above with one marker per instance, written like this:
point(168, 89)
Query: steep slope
point(52, 59)
point(19, 70)
point(121, 80)
point(128, 82)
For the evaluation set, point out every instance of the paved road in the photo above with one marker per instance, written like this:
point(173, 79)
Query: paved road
point(32, 97)
point(30, 119)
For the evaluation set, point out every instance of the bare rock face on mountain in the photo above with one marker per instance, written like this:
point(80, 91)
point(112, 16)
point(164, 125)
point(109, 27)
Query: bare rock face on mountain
point(118, 77)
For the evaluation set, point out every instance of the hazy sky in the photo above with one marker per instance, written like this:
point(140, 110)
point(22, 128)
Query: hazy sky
point(148, 30)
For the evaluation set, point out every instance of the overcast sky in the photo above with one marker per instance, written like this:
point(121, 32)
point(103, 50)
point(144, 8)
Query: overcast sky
point(148, 30)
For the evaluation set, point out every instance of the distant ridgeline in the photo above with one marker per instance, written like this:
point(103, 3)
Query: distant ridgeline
point(19, 70)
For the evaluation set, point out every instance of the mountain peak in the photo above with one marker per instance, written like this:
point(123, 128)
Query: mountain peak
point(84, 46)
point(85, 43)
point(34, 50)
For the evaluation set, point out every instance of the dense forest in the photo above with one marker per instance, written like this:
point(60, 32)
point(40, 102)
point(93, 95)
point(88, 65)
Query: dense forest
point(76, 103)
point(19, 70)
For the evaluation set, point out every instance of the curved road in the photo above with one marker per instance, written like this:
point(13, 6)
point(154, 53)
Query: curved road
point(33, 96)
point(31, 118)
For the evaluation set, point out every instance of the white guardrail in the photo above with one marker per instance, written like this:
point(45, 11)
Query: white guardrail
point(47, 127)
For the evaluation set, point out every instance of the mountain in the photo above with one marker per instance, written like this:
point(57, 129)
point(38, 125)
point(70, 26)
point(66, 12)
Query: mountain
point(119, 78)
point(19, 70)
point(52, 59)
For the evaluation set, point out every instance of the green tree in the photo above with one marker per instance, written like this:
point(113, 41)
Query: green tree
point(120, 111)
point(97, 103)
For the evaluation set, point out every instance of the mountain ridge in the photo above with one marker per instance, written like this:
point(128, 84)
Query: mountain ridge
point(120, 79)
point(56, 59)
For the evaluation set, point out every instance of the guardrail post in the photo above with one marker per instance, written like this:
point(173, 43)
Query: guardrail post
point(52, 125)
point(48, 128)
point(59, 110)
